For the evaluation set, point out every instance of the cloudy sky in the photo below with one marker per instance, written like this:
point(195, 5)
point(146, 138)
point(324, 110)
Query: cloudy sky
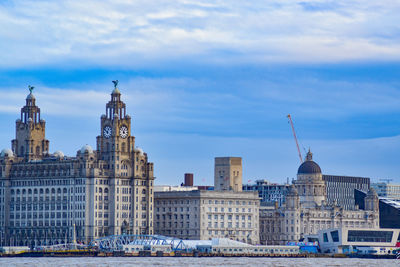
point(213, 78)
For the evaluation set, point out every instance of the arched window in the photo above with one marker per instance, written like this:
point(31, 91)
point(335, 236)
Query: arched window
point(59, 191)
point(144, 191)
point(41, 191)
point(106, 191)
point(108, 147)
point(53, 191)
point(23, 191)
point(100, 190)
point(12, 192)
point(38, 150)
point(65, 190)
point(29, 191)
point(35, 191)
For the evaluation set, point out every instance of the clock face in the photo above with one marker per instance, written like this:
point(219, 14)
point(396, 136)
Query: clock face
point(107, 131)
point(123, 132)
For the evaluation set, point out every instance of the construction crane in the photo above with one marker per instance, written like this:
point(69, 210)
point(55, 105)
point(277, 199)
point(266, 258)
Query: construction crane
point(295, 137)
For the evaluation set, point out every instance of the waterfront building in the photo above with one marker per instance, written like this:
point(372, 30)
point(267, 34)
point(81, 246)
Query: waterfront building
point(387, 190)
point(306, 210)
point(389, 213)
point(389, 210)
point(51, 198)
point(268, 192)
point(340, 189)
point(203, 214)
point(228, 174)
point(215, 246)
point(343, 240)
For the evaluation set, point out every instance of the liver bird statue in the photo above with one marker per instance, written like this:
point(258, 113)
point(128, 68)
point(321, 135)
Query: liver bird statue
point(115, 83)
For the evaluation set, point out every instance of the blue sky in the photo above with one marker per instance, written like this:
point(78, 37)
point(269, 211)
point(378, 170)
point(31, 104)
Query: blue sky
point(213, 78)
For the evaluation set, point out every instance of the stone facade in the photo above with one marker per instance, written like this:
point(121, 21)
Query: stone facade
point(228, 174)
point(46, 198)
point(202, 214)
point(306, 210)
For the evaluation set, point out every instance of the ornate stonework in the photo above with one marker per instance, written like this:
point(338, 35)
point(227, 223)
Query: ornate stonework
point(45, 197)
point(306, 210)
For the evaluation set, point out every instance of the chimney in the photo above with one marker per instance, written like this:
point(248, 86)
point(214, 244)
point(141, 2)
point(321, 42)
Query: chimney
point(188, 179)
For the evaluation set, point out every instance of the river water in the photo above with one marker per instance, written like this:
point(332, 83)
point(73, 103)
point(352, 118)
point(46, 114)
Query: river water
point(194, 262)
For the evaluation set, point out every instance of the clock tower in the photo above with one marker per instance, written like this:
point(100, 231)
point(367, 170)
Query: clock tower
point(129, 173)
point(115, 143)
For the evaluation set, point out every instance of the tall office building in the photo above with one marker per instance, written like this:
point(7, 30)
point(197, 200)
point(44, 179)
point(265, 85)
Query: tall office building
point(46, 198)
point(387, 190)
point(340, 189)
point(270, 193)
point(228, 174)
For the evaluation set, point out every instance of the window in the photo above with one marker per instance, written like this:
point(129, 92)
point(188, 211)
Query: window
point(369, 236)
point(335, 236)
point(326, 237)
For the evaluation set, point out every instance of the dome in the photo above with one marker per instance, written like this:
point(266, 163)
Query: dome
point(59, 154)
point(116, 91)
point(138, 149)
point(86, 148)
point(6, 152)
point(30, 97)
point(309, 166)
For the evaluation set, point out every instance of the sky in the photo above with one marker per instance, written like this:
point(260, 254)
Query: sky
point(204, 79)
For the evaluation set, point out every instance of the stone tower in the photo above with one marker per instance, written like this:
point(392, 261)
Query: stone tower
point(372, 200)
point(292, 215)
point(30, 142)
point(292, 198)
point(309, 183)
point(126, 165)
point(115, 144)
point(228, 174)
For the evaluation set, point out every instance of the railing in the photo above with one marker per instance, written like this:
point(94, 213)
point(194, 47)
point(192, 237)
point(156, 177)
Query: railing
point(115, 242)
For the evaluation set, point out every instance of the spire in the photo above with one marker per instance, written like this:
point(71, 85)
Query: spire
point(309, 155)
point(115, 108)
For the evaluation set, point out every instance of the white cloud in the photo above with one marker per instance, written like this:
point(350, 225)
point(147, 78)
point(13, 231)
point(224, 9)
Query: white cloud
point(208, 100)
point(122, 32)
point(77, 102)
